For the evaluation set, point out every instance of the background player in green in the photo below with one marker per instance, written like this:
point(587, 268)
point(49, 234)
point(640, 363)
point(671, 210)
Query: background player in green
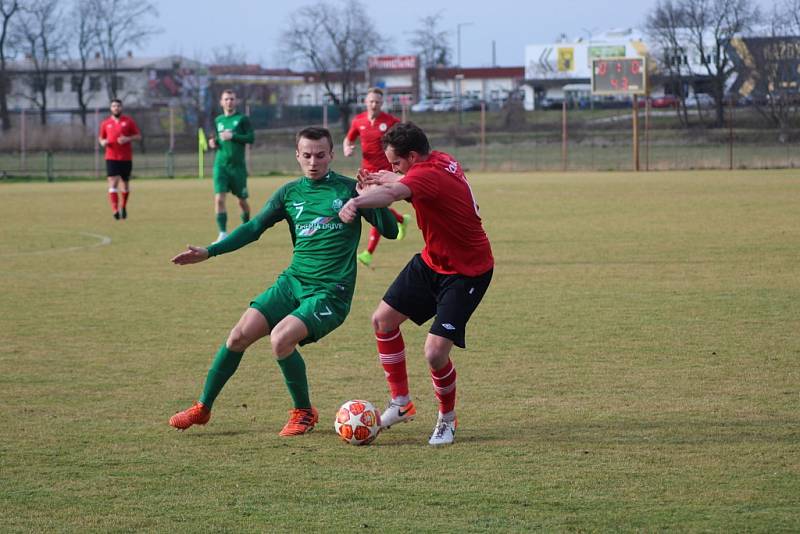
point(233, 131)
point(312, 296)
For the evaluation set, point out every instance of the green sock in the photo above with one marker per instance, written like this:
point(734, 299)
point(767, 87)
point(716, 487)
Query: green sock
point(222, 368)
point(294, 374)
point(222, 221)
point(245, 216)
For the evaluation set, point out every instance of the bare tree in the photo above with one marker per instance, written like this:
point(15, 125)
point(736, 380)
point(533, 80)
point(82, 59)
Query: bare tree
point(334, 43)
point(431, 44)
point(8, 8)
point(42, 39)
point(711, 25)
point(789, 11)
point(83, 43)
point(769, 65)
point(664, 26)
point(120, 24)
point(228, 54)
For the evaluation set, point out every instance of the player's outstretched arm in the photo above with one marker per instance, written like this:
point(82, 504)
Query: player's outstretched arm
point(347, 147)
point(373, 197)
point(191, 255)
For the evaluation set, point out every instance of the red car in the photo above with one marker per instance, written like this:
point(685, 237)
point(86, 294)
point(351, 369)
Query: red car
point(665, 101)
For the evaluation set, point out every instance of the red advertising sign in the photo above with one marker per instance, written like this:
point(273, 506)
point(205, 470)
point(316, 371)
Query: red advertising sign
point(392, 62)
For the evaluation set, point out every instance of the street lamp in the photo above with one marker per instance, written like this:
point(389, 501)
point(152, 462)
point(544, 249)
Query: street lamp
point(458, 32)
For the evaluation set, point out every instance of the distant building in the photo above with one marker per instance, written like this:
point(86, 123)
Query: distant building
point(398, 76)
point(141, 82)
point(550, 67)
point(254, 84)
point(494, 85)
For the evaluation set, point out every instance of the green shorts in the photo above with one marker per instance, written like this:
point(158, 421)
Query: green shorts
point(230, 179)
point(321, 310)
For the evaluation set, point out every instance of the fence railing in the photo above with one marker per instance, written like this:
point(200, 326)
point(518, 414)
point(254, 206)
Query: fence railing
point(587, 140)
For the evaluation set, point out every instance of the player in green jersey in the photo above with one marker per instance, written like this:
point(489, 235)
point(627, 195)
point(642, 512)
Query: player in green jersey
point(312, 296)
point(233, 131)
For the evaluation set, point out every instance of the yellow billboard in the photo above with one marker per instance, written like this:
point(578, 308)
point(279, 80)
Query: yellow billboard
point(566, 59)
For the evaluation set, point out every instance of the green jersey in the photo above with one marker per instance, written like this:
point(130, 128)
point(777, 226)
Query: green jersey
point(324, 247)
point(231, 153)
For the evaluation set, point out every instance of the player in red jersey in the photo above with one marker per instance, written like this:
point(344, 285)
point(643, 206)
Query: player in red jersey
point(447, 279)
point(370, 127)
point(116, 134)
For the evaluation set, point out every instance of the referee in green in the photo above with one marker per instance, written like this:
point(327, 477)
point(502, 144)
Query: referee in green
point(233, 132)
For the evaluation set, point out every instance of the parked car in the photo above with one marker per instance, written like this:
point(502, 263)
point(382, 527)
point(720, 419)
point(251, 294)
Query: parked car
point(551, 103)
point(702, 100)
point(664, 101)
point(446, 104)
point(470, 104)
point(426, 104)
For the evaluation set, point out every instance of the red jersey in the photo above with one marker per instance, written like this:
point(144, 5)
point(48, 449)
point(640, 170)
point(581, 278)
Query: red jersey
point(372, 156)
point(111, 129)
point(447, 216)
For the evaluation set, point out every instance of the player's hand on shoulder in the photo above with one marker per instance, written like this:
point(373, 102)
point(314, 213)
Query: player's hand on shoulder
point(191, 255)
point(380, 178)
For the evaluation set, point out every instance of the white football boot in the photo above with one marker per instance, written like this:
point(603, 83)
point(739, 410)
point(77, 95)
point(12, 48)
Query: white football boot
point(444, 433)
point(397, 413)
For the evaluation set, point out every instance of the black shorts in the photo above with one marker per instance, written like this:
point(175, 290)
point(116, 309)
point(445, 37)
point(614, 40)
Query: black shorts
point(419, 293)
point(115, 167)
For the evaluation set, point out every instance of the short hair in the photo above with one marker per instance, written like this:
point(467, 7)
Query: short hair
point(117, 100)
point(376, 90)
point(405, 137)
point(315, 133)
point(231, 91)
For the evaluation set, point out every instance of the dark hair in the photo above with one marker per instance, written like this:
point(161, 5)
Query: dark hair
point(117, 100)
point(231, 91)
point(315, 133)
point(376, 90)
point(405, 137)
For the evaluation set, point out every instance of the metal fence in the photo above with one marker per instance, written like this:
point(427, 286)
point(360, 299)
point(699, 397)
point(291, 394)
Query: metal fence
point(505, 140)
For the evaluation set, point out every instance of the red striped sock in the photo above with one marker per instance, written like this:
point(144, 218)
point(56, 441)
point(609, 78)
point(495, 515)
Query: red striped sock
point(114, 199)
point(125, 198)
point(374, 238)
point(392, 353)
point(444, 386)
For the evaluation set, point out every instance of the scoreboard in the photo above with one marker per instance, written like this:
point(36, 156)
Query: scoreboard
point(619, 76)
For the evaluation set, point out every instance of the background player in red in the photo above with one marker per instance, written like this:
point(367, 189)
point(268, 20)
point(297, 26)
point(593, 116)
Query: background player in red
point(370, 127)
point(116, 134)
point(447, 279)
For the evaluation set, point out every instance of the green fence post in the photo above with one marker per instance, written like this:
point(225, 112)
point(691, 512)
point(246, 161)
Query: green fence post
point(49, 165)
point(170, 164)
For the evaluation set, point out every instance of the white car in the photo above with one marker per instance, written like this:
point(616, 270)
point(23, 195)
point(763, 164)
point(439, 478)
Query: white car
point(448, 104)
point(699, 99)
point(425, 104)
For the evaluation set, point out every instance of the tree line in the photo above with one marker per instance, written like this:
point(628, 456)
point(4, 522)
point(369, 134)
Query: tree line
point(336, 42)
point(51, 34)
point(710, 30)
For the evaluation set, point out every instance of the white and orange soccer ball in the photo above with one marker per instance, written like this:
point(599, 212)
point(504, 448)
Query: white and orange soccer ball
point(358, 422)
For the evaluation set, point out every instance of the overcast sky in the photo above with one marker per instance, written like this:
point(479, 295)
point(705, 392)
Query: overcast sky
point(193, 28)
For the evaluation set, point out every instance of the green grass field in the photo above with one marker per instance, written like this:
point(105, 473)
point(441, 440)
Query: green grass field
point(635, 366)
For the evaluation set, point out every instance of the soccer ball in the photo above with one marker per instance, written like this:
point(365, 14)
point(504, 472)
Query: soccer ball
point(358, 422)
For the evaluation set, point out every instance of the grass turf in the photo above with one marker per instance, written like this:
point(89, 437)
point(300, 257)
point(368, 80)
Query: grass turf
point(634, 366)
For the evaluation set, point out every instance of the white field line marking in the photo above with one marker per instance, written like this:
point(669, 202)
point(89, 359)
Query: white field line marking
point(102, 240)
